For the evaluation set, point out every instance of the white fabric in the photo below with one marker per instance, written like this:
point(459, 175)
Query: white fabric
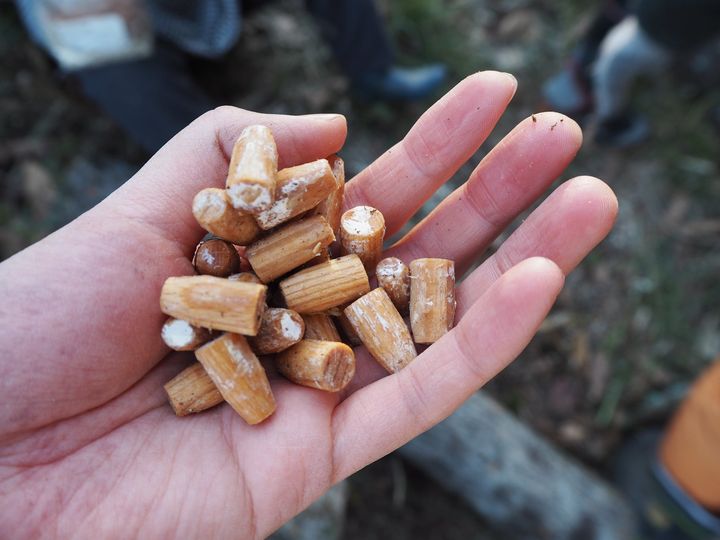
point(626, 54)
point(204, 28)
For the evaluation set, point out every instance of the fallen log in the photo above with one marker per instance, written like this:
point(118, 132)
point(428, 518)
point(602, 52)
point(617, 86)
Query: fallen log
point(515, 480)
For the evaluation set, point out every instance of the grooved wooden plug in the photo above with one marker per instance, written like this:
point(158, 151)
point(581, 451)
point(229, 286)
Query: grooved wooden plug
point(320, 327)
point(326, 285)
point(362, 230)
point(393, 275)
point(331, 207)
point(382, 330)
point(182, 336)
point(215, 214)
point(432, 298)
point(238, 376)
point(216, 258)
point(298, 189)
point(325, 365)
point(253, 169)
point(280, 328)
point(192, 391)
point(289, 247)
point(215, 303)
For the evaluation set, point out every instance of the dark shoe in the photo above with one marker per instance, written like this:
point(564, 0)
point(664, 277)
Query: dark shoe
point(569, 92)
point(665, 511)
point(401, 84)
point(622, 131)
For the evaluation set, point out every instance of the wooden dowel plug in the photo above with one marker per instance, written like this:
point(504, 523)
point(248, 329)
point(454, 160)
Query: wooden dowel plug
point(216, 258)
point(326, 285)
point(432, 298)
point(362, 230)
point(215, 214)
point(323, 255)
point(192, 391)
point(382, 330)
point(245, 277)
point(348, 331)
point(331, 207)
point(180, 335)
point(280, 328)
point(253, 170)
point(289, 247)
point(320, 327)
point(298, 189)
point(215, 303)
point(239, 376)
point(324, 365)
point(393, 275)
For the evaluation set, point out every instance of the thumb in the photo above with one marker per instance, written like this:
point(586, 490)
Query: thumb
point(160, 194)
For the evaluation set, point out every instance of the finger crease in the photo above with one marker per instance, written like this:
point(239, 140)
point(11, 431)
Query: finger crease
point(467, 351)
point(483, 205)
point(414, 398)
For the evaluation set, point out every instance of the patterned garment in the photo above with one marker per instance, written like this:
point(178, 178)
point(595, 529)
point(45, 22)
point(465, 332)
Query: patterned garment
point(208, 28)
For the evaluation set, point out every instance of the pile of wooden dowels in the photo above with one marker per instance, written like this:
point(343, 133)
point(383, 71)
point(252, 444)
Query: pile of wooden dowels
point(269, 292)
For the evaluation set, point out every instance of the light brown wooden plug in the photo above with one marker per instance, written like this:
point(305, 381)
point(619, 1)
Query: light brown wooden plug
point(324, 286)
point(288, 247)
point(432, 298)
point(331, 207)
point(215, 214)
point(393, 275)
point(382, 330)
point(238, 376)
point(280, 328)
point(245, 277)
point(362, 231)
point(298, 189)
point(180, 335)
point(253, 170)
point(325, 365)
point(348, 330)
point(323, 255)
point(192, 391)
point(215, 303)
point(320, 327)
point(216, 258)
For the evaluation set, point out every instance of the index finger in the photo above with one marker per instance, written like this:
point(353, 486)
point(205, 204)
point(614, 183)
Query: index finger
point(444, 138)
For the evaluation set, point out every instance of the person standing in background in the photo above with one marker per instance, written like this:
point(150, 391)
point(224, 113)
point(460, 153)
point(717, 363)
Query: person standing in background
point(571, 88)
point(130, 56)
point(647, 37)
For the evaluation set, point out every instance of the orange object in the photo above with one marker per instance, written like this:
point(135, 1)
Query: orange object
point(690, 450)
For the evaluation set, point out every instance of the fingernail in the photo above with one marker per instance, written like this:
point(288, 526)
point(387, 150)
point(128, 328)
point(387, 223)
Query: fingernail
point(512, 78)
point(327, 117)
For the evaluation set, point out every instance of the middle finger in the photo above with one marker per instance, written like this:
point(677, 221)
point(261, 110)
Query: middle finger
point(508, 180)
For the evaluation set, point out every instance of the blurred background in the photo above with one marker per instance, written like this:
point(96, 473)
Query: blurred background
point(636, 323)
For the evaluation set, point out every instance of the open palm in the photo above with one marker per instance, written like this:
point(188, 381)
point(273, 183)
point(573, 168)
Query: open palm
point(88, 445)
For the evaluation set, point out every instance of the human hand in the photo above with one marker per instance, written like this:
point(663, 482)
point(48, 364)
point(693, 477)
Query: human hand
point(88, 445)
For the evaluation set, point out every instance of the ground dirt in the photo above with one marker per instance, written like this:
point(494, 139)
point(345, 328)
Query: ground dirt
point(636, 322)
